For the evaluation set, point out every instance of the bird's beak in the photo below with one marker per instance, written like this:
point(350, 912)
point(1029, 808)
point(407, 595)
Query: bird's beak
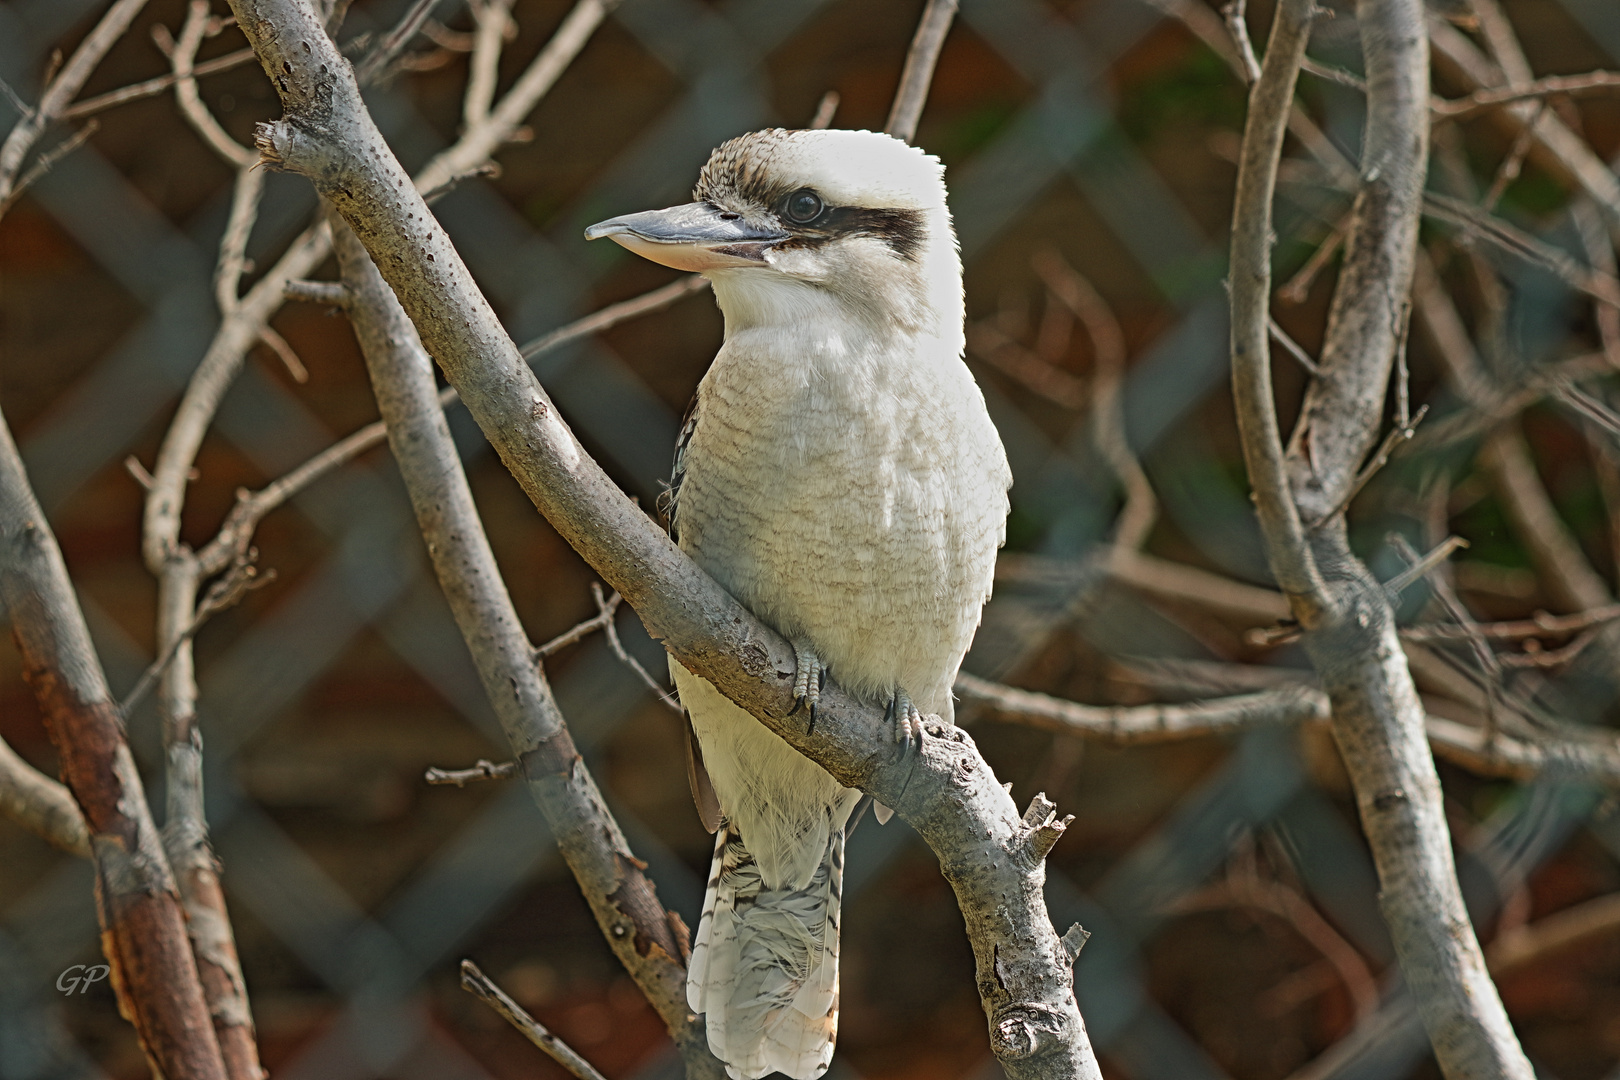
point(693, 237)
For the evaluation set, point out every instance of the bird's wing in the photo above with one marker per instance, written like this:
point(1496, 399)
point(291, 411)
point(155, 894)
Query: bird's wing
point(708, 803)
point(669, 501)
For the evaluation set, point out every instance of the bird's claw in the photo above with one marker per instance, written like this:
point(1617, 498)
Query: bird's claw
point(810, 675)
point(906, 718)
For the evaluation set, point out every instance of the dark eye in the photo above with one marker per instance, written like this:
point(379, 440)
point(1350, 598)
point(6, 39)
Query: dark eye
point(802, 206)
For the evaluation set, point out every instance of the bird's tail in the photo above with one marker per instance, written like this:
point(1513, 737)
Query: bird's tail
point(764, 969)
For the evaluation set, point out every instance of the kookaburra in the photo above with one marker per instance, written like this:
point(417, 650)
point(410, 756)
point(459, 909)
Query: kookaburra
point(840, 476)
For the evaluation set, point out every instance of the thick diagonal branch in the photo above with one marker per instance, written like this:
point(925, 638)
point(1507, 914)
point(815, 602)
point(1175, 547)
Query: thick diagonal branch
point(987, 851)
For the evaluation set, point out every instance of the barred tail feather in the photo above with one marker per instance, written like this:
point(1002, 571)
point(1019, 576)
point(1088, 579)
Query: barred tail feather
point(764, 968)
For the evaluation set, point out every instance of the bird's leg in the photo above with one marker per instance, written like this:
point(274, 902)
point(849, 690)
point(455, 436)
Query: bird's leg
point(810, 675)
point(905, 717)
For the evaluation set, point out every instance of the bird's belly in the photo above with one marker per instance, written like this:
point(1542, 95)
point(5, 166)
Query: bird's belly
point(860, 549)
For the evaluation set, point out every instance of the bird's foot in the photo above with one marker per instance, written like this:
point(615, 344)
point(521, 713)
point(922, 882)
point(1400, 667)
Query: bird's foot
point(905, 717)
point(810, 675)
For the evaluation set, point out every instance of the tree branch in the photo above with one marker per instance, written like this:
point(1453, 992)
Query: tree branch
point(1378, 721)
point(622, 898)
point(143, 926)
point(987, 851)
point(41, 805)
point(1269, 102)
point(483, 987)
point(54, 101)
point(918, 73)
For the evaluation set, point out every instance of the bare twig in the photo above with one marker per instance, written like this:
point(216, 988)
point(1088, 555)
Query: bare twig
point(918, 73)
point(192, 108)
point(1251, 891)
point(154, 86)
point(1540, 625)
point(1508, 171)
point(1573, 925)
point(1399, 434)
point(1079, 297)
point(1298, 287)
point(317, 292)
point(1133, 724)
point(1483, 100)
point(605, 612)
point(1333, 74)
point(611, 631)
point(1420, 565)
point(394, 42)
point(826, 109)
point(1233, 12)
point(1028, 368)
point(59, 91)
point(47, 161)
point(481, 770)
point(284, 352)
point(476, 982)
point(614, 314)
point(492, 21)
point(1479, 225)
point(1290, 346)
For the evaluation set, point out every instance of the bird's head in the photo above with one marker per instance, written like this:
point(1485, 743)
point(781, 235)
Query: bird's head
point(787, 223)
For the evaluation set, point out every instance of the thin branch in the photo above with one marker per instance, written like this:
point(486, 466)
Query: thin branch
point(605, 612)
point(1561, 930)
point(154, 86)
point(918, 73)
point(1420, 565)
point(826, 109)
point(1333, 74)
point(1080, 298)
point(376, 62)
point(1483, 100)
point(192, 31)
point(493, 24)
point(317, 292)
point(1298, 287)
point(477, 983)
point(47, 161)
point(1397, 435)
point(1478, 225)
point(1130, 725)
point(59, 92)
point(481, 770)
point(1269, 101)
point(284, 352)
point(1028, 368)
point(1251, 891)
point(1234, 14)
point(614, 314)
point(1290, 346)
point(1564, 153)
point(41, 805)
point(610, 630)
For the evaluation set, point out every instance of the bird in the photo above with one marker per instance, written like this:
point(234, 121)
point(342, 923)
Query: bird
point(839, 474)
